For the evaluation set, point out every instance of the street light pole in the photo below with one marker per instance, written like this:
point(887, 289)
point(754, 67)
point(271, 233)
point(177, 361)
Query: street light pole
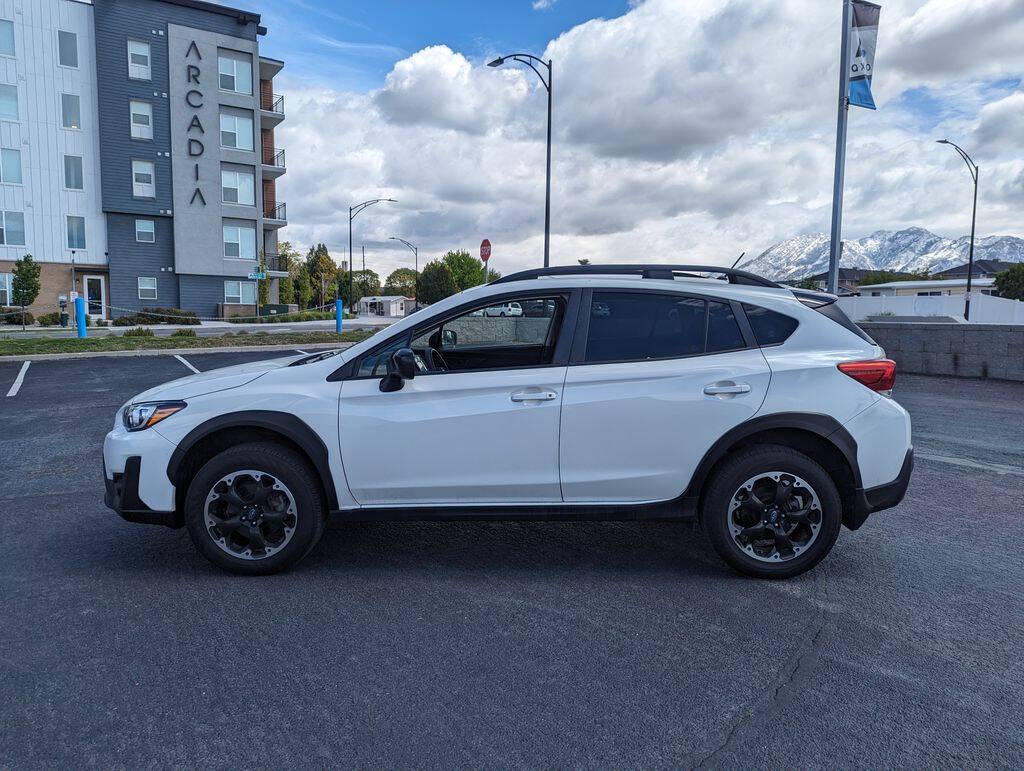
point(352, 212)
point(528, 60)
point(416, 283)
point(972, 167)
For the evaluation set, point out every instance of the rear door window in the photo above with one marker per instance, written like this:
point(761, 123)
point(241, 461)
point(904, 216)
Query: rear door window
point(634, 326)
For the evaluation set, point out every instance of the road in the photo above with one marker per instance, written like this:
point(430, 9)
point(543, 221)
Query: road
point(495, 644)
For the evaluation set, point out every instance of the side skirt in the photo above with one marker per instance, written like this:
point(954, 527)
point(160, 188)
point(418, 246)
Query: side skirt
point(672, 510)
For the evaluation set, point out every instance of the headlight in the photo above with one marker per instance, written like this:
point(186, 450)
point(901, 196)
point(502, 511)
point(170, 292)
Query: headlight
point(145, 414)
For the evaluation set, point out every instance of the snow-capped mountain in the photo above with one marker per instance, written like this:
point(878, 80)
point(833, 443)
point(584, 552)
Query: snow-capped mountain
point(913, 249)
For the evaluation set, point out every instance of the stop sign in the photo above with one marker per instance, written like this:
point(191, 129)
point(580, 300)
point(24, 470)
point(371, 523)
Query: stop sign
point(485, 250)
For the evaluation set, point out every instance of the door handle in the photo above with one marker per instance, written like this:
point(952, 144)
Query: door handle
point(533, 396)
point(721, 389)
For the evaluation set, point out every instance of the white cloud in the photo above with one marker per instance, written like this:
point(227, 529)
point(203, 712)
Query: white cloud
point(542, 5)
point(682, 131)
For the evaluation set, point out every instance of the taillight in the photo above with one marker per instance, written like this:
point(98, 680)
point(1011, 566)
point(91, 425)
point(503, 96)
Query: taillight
point(877, 374)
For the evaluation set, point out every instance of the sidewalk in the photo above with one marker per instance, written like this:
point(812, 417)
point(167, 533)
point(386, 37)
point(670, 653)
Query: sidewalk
point(205, 328)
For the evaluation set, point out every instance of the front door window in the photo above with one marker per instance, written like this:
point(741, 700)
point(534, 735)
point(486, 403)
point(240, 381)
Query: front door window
point(94, 296)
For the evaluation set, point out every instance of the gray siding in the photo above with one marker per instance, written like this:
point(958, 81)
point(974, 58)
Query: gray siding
point(201, 294)
point(130, 259)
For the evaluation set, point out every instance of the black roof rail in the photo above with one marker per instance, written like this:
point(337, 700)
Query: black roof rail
point(733, 275)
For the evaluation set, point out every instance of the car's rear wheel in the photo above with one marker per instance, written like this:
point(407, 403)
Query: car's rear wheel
point(255, 508)
point(771, 511)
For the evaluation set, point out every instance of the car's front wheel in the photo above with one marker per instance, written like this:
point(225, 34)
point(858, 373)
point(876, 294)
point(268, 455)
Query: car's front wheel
point(255, 508)
point(771, 511)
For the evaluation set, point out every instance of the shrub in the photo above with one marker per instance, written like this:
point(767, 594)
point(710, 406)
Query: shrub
point(88, 320)
point(183, 333)
point(12, 316)
point(102, 323)
point(49, 319)
point(283, 317)
point(158, 316)
point(138, 332)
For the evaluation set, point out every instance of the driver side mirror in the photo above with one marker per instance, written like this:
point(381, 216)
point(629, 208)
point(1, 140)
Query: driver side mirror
point(402, 367)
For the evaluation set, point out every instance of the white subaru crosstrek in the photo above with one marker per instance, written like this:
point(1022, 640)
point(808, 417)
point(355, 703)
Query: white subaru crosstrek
point(641, 392)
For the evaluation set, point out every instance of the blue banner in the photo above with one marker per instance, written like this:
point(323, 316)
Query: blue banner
point(863, 34)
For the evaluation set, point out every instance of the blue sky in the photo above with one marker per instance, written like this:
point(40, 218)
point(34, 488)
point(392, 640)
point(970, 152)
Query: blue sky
point(352, 46)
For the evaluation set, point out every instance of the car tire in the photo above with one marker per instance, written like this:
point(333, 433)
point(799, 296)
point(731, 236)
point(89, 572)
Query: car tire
point(743, 513)
point(277, 494)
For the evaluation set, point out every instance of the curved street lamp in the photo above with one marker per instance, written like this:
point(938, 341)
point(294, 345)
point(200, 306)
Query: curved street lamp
point(415, 286)
point(528, 60)
point(352, 212)
point(973, 168)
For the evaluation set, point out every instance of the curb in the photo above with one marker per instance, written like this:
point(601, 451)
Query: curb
point(174, 351)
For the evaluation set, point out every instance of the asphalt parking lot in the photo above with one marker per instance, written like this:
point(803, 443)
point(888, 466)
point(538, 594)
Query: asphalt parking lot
point(526, 644)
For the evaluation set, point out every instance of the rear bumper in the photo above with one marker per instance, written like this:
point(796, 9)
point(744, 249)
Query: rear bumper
point(122, 495)
point(881, 497)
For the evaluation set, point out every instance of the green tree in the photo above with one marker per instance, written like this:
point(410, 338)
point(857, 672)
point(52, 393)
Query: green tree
point(401, 281)
point(1010, 282)
point(263, 284)
point(303, 287)
point(466, 269)
point(584, 261)
point(436, 282)
point(289, 260)
point(493, 275)
point(806, 283)
point(348, 289)
point(367, 281)
point(25, 284)
point(321, 269)
point(885, 276)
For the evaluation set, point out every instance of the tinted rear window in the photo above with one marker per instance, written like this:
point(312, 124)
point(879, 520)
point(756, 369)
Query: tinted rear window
point(632, 326)
point(770, 328)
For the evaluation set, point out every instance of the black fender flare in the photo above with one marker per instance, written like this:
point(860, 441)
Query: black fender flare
point(284, 423)
point(824, 426)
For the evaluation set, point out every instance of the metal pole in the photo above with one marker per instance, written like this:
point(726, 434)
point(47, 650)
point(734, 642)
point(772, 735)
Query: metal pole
point(547, 190)
point(837, 187)
point(416, 281)
point(970, 258)
point(350, 303)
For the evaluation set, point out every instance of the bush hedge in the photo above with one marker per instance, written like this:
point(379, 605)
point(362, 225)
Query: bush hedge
point(183, 333)
point(157, 316)
point(283, 317)
point(138, 332)
point(12, 316)
point(49, 319)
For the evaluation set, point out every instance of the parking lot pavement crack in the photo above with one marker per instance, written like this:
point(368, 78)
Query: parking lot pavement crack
point(791, 678)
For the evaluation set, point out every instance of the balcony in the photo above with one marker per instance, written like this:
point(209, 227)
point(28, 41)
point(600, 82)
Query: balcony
point(275, 216)
point(273, 163)
point(277, 265)
point(271, 110)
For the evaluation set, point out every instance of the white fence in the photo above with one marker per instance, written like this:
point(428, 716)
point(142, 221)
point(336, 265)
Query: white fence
point(985, 309)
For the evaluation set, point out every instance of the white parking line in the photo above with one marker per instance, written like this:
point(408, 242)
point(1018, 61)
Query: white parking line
point(182, 360)
point(302, 352)
point(19, 379)
point(998, 468)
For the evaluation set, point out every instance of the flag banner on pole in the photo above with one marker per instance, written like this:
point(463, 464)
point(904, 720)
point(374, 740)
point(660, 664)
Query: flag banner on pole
point(863, 39)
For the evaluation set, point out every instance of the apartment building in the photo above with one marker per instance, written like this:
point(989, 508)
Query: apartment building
point(137, 155)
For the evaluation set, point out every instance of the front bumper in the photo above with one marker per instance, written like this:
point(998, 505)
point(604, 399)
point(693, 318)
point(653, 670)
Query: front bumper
point(122, 495)
point(881, 497)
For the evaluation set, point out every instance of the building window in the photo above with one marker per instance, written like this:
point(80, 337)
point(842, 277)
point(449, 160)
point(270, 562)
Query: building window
point(76, 232)
point(10, 166)
point(71, 111)
point(235, 70)
point(236, 128)
point(12, 228)
point(238, 187)
point(138, 60)
point(145, 231)
point(67, 49)
point(142, 119)
point(8, 101)
point(143, 179)
point(929, 294)
point(240, 241)
point(6, 290)
point(73, 177)
point(6, 37)
point(240, 292)
point(147, 288)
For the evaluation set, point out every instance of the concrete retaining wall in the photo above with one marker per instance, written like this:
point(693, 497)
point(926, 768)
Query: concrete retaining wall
point(960, 350)
point(474, 330)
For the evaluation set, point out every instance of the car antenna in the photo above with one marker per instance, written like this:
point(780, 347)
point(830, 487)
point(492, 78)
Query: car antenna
point(738, 259)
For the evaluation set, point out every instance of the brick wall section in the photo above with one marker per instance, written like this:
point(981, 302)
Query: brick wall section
point(269, 196)
point(55, 280)
point(266, 94)
point(960, 350)
point(267, 143)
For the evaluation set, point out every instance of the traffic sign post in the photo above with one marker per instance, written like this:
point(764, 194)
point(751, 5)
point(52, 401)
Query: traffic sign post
point(485, 255)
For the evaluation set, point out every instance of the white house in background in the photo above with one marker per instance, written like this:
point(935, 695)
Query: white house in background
point(388, 305)
point(938, 288)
